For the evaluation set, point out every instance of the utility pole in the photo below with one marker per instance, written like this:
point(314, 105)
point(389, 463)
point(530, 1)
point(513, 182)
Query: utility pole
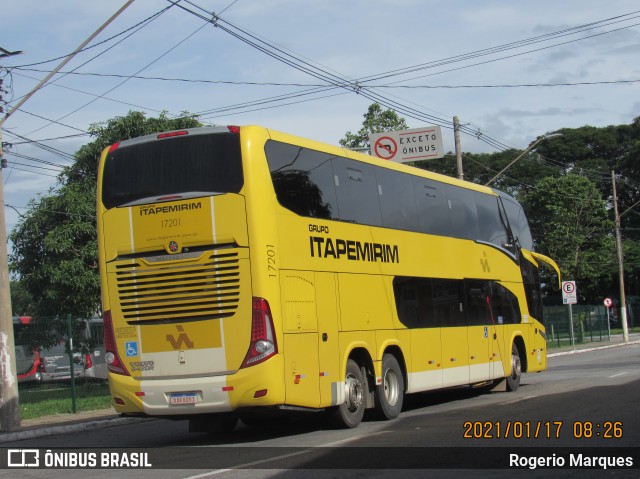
point(9, 403)
point(9, 406)
point(623, 301)
point(456, 134)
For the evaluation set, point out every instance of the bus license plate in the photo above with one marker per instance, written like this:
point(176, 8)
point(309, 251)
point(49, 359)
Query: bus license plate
point(183, 398)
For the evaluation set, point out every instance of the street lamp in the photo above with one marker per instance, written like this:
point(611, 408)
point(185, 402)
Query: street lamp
point(531, 147)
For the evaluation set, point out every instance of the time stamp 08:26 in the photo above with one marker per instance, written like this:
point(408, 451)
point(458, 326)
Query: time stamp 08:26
point(542, 429)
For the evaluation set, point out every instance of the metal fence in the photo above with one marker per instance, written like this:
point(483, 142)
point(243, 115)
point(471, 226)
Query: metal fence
point(58, 357)
point(589, 323)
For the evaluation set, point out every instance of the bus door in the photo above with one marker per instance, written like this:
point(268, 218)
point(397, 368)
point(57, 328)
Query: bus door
point(480, 330)
point(449, 306)
point(329, 373)
point(421, 312)
point(300, 326)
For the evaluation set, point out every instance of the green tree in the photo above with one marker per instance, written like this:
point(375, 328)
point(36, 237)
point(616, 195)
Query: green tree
point(479, 168)
point(21, 300)
point(570, 223)
point(55, 254)
point(376, 120)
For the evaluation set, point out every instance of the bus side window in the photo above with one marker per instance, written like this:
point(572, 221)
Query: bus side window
point(397, 200)
point(357, 192)
point(303, 180)
point(432, 207)
point(464, 216)
point(504, 305)
point(477, 307)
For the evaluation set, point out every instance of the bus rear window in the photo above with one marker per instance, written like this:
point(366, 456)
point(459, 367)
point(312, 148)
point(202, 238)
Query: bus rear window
point(198, 164)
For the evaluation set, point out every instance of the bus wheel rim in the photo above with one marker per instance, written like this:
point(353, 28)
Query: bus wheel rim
point(516, 366)
point(391, 387)
point(355, 393)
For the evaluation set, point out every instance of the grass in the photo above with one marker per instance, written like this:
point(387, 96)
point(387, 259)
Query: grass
point(50, 399)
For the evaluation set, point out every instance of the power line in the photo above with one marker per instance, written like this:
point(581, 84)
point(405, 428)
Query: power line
point(152, 17)
point(310, 85)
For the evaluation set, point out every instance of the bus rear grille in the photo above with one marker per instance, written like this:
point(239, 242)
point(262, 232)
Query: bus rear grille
point(187, 292)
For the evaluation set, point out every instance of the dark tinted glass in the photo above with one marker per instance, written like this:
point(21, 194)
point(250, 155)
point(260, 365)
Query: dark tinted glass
point(357, 192)
point(518, 222)
point(504, 306)
point(492, 230)
point(447, 302)
point(303, 180)
point(464, 217)
point(198, 163)
point(477, 306)
point(429, 302)
point(397, 200)
point(531, 280)
point(432, 207)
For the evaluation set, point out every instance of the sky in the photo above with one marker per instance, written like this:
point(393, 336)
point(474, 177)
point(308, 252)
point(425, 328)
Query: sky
point(430, 59)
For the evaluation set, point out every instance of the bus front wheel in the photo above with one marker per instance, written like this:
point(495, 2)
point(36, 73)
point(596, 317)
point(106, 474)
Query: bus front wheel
point(513, 380)
point(349, 413)
point(390, 394)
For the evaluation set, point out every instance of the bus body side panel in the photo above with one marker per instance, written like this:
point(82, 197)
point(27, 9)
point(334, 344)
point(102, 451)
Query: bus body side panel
point(538, 361)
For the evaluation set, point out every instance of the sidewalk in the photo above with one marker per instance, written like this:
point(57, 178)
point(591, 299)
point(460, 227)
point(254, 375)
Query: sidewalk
point(87, 420)
point(68, 423)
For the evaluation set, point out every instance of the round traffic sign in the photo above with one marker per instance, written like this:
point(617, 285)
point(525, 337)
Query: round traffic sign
point(568, 287)
point(607, 302)
point(385, 147)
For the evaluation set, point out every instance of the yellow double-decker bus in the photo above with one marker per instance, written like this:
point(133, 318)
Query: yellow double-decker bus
point(246, 270)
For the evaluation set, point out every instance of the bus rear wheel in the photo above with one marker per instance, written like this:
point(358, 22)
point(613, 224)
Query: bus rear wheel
point(349, 413)
point(390, 394)
point(513, 380)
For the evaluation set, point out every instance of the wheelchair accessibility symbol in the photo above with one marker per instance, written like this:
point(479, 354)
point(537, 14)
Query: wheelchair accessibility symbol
point(131, 348)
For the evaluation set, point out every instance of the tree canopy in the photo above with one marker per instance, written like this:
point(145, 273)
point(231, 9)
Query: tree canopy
point(376, 120)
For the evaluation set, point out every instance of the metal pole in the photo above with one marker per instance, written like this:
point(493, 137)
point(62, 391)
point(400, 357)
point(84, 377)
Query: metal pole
point(573, 339)
point(71, 366)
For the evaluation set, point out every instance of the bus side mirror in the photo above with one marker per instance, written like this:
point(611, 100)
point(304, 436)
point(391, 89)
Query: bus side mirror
point(555, 283)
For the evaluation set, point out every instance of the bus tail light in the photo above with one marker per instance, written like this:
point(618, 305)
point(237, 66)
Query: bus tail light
point(112, 358)
point(172, 134)
point(263, 340)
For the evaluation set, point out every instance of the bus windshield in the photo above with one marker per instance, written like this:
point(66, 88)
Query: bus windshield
point(194, 164)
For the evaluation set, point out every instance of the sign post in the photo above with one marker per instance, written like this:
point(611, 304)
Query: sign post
point(607, 304)
point(408, 145)
point(569, 297)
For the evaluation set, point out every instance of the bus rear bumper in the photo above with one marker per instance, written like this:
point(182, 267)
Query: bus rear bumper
point(196, 395)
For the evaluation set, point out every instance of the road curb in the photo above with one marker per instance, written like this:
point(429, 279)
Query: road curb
point(69, 428)
point(585, 350)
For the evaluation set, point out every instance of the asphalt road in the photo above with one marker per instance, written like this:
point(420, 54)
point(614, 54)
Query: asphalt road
point(588, 401)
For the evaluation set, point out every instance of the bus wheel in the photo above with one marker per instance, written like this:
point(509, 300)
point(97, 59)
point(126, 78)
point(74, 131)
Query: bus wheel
point(349, 414)
point(513, 381)
point(390, 394)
